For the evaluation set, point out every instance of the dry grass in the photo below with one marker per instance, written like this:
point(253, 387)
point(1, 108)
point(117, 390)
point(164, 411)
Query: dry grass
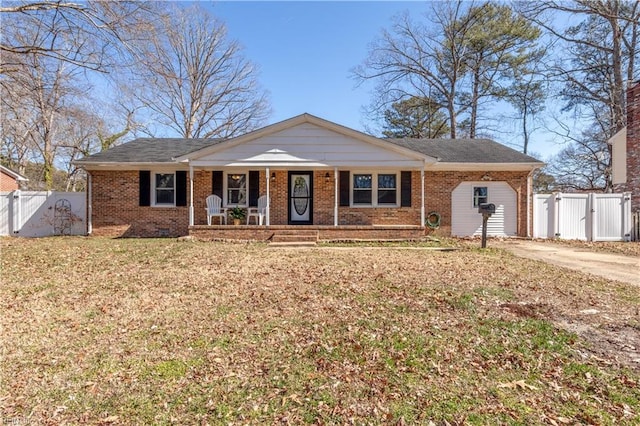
point(98, 331)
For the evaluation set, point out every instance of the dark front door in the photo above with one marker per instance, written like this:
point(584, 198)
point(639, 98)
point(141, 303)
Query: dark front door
point(300, 198)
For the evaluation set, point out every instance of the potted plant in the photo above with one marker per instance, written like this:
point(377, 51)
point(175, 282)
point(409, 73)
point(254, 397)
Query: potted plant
point(237, 214)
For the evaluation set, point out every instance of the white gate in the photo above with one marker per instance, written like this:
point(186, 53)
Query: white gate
point(591, 217)
point(42, 214)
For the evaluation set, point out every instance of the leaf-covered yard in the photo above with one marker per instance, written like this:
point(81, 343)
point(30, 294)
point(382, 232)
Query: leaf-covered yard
point(105, 331)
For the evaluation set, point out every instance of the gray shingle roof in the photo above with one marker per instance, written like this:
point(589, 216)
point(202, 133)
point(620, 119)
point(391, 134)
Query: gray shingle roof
point(164, 150)
point(465, 150)
point(150, 150)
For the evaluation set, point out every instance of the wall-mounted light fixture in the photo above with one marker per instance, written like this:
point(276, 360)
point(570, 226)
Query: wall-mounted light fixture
point(486, 176)
point(327, 177)
point(273, 176)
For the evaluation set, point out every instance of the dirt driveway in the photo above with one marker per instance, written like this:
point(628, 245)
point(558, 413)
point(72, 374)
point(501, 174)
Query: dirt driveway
point(611, 266)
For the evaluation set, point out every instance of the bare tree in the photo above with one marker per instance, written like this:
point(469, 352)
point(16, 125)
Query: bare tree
point(462, 58)
point(43, 90)
point(86, 34)
point(196, 81)
point(598, 54)
point(598, 57)
point(583, 165)
point(418, 60)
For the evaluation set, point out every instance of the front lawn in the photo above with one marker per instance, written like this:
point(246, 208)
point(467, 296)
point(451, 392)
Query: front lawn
point(99, 331)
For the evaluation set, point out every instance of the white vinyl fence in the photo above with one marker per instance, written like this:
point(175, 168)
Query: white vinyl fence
point(590, 217)
point(42, 214)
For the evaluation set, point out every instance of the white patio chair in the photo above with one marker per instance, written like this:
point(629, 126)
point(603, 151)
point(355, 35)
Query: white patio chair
point(214, 209)
point(258, 212)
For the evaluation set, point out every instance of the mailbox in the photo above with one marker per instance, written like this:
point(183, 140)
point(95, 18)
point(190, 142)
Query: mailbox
point(487, 208)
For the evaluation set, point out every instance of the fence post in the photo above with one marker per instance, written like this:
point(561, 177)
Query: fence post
point(626, 216)
point(591, 208)
point(16, 204)
point(557, 197)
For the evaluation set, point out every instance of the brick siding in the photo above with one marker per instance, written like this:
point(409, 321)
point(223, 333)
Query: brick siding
point(633, 146)
point(8, 183)
point(116, 211)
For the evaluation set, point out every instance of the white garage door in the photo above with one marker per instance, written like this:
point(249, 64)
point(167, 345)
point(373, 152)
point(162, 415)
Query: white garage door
point(465, 219)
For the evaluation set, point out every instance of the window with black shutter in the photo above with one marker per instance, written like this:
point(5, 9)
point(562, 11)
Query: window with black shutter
point(144, 192)
point(405, 189)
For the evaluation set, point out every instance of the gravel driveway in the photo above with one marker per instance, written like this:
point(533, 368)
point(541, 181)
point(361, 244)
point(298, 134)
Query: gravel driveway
point(612, 266)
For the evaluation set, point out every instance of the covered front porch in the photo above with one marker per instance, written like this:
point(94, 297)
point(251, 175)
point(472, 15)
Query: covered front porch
point(321, 197)
point(312, 173)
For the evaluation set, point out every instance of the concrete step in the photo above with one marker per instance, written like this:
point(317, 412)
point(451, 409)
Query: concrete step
point(292, 244)
point(295, 236)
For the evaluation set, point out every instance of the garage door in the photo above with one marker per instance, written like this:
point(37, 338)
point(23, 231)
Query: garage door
point(465, 219)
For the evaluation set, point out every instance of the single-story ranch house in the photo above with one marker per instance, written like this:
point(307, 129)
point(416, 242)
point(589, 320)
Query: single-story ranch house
point(318, 177)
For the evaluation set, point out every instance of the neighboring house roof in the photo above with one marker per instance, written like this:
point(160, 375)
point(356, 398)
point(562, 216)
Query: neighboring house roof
point(14, 175)
point(149, 150)
point(465, 150)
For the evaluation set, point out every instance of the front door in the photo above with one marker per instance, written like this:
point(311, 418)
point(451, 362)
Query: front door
point(300, 198)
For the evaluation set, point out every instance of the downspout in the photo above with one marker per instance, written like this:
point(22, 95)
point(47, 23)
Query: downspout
point(335, 196)
point(89, 204)
point(268, 178)
point(422, 214)
point(191, 211)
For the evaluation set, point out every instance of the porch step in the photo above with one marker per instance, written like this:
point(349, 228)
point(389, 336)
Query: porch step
point(293, 236)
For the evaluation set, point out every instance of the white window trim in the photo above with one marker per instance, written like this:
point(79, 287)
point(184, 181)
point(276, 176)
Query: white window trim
point(154, 203)
point(473, 195)
point(225, 187)
point(374, 188)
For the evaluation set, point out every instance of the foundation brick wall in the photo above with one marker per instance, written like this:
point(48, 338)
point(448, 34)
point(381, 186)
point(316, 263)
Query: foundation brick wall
point(116, 211)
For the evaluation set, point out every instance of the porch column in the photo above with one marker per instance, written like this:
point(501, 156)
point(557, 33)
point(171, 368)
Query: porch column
point(422, 218)
point(529, 186)
point(191, 220)
point(335, 196)
point(89, 203)
point(268, 177)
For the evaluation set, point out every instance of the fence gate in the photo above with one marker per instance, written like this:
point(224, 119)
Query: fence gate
point(591, 217)
point(42, 214)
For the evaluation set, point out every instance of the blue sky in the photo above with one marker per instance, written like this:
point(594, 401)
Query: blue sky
point(305, 51)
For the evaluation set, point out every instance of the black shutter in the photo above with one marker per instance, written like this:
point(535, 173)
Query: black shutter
point(344, 187)
point(405, 189)
point(216, 183)
point(254, 187)
point(144, 192)
point(181, 188)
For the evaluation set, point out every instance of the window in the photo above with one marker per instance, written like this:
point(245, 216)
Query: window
point(480, 195)
point(237, 189)
point(374, 189)
point(387, 189)
point(165, 189)
point(362, 188)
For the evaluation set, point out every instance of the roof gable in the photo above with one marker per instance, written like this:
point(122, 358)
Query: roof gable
point(306, 141)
